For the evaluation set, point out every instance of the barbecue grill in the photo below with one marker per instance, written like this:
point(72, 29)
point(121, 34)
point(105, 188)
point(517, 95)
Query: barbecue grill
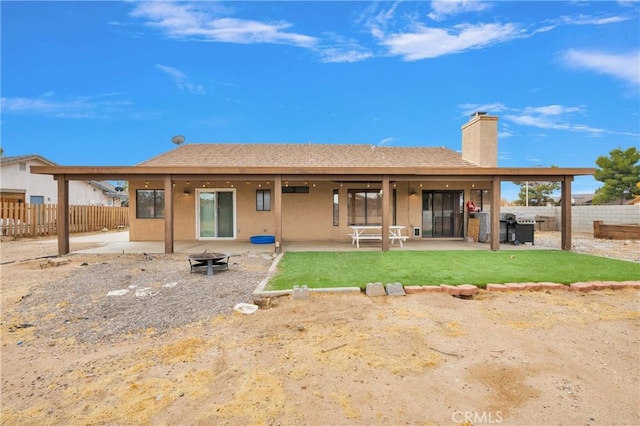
point(519, 228)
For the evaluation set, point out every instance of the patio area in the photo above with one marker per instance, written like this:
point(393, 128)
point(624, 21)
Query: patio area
point(118, 242)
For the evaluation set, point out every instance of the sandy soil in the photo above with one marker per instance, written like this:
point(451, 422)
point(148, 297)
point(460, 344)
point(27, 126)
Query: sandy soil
point(519, 359)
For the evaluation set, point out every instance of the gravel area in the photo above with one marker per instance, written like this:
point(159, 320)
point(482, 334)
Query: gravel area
point(585, 243)
point(106, 298)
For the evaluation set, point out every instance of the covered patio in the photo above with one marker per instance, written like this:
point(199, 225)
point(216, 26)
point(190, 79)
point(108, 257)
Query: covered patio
point(118, 242)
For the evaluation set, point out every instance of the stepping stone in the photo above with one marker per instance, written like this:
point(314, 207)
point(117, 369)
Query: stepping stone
point(516, 286)
point(395, 289)
point(583, 287)
point(412, 289)
point(497, 287)
point(599, 285)
point(375, 289)
point(300, 293)
point(451, 289)
point(468, 290)
point(551, 286)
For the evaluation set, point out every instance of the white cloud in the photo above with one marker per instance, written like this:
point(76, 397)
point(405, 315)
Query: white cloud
point(551, 117)
point(198, 21)
point(557, 117)
point(441, 9)
point(181, 80)
point(622, 66)
point(425, 42)
point(491, 108)
point(386, 141)
point(592, 20)
point(79, 107)
point(341, 49)
point(553, 110)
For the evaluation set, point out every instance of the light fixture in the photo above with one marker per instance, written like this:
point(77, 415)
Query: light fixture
point(367, 184)
point(420, 185)
point(187, 182)
point(473, 185)
point(259, 185)
point(204, 186)
point(186, 192)
point(314, 185)
point(173, 183)
point(413, 193)
point(146, 183)
point(446, 186)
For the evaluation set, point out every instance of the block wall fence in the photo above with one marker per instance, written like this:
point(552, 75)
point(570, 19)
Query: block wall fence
point(582, 217)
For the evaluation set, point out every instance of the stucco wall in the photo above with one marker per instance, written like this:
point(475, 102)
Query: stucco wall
point(305, 216)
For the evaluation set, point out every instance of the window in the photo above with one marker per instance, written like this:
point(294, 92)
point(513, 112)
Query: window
point(149, 204)
point(481, 198)
point(263, 200)
point(295, 189)
point(364, 207)
point(36, 199)
point(336, 211)
point(22, 167)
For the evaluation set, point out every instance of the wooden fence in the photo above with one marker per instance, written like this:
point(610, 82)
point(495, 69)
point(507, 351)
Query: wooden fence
point(31, 220)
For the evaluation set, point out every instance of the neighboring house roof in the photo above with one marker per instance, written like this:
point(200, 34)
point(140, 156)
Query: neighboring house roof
point(306, 155)
point(23, 158)
point(583, 199)
point(108, 189)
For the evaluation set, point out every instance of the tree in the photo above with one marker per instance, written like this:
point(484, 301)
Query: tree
point(620, 172)
point(536, 193)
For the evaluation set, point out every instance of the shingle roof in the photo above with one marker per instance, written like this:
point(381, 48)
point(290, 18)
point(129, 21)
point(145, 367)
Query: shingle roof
point(307, 155)
point(27, 157)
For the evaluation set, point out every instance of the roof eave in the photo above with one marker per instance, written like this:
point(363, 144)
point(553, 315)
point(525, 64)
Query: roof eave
point(120, 172)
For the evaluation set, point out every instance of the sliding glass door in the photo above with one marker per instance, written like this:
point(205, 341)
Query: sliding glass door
point(442, 214)
point(216, 214)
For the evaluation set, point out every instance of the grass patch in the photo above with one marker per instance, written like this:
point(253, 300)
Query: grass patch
point(356, 269)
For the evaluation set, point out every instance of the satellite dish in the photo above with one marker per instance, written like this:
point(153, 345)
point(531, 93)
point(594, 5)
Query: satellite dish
point(179, 139)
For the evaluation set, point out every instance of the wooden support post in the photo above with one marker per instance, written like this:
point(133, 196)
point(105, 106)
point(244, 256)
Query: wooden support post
point(168, 214)
point(277, 211)
point(495, 213)
point(63, 214)
point(386, 212)
point(565, 218)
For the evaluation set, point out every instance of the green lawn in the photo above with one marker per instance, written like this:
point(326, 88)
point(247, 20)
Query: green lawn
point(356, 269)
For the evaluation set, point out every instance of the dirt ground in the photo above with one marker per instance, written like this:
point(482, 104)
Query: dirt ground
point(528, 358)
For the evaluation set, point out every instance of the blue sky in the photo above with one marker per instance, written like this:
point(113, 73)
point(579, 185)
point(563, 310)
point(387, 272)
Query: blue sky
point(109, 83)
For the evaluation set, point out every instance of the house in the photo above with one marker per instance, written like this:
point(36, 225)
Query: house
point(315, 192)
point(20, 185)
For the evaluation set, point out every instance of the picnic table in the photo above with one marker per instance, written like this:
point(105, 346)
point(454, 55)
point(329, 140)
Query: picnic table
point(374, 232)
point(213, 261)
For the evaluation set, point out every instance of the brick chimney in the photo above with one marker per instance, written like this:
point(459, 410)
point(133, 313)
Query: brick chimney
point(480, 140)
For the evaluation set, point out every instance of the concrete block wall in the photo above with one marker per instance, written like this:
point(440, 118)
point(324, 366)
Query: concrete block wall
point(582, 217)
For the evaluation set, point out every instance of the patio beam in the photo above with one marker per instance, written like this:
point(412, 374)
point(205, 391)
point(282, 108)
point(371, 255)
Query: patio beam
point(168, 214)
point(63, 214)
point(565, 214)
point(495, 213)
point(277, 211)
point(386, 210)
